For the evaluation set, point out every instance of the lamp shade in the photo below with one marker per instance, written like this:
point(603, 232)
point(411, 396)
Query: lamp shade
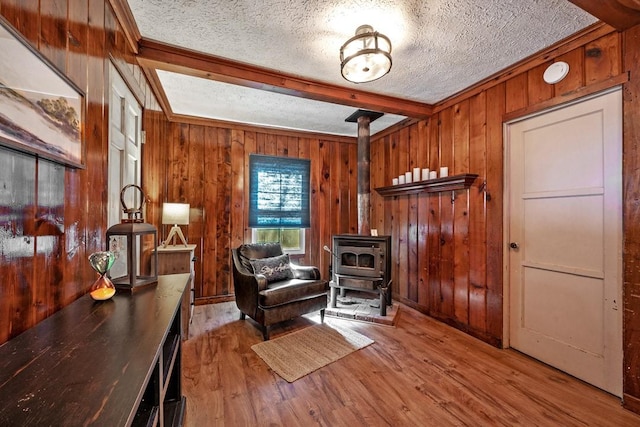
point(366, 56)
point(175, 213)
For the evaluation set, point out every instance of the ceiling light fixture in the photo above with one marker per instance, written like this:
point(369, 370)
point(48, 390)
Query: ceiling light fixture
point(366, 56)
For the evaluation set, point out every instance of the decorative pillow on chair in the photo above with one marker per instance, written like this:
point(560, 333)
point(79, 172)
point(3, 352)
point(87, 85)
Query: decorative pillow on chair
point(274, 268)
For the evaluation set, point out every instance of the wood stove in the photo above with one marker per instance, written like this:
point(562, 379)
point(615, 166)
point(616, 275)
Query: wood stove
point(362, 263)
point(359, 261)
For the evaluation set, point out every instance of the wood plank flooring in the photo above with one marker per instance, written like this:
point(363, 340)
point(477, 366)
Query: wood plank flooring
point(418, 373)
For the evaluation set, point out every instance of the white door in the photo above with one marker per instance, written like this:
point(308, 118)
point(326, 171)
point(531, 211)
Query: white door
point(125, 124)
point(565, 239)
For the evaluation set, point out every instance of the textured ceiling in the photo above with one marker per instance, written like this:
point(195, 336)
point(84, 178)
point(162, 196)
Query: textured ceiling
point(440, 47)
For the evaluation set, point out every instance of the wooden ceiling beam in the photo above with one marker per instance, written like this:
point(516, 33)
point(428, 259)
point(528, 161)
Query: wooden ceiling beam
point(162, 56)
point(620, 14)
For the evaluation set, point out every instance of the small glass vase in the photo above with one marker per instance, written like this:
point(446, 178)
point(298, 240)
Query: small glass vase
point(102, 289)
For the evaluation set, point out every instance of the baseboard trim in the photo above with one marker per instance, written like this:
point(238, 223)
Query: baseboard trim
point(491, 340)
point(214, 300)
point(631, 403)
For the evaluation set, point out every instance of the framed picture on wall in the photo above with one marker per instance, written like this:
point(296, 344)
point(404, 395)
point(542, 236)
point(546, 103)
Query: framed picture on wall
point(41, 110)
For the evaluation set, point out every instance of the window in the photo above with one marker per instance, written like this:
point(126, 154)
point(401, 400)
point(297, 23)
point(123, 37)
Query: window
point(278, 192)
point(291, 239)
point(279, 201)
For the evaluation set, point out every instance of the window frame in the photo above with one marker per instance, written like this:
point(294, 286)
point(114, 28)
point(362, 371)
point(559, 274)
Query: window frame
point(279, 216)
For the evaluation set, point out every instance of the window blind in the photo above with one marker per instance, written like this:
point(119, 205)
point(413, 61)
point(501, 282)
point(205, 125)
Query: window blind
point(278, 192)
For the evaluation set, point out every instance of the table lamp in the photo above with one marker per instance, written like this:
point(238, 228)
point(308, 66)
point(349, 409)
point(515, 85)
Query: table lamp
point(175, 214)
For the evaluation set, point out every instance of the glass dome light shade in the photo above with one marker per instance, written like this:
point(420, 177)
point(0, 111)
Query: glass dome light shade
point(366, 56)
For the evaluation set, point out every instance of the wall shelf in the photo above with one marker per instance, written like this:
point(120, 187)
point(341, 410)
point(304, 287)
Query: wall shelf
point(449, 183)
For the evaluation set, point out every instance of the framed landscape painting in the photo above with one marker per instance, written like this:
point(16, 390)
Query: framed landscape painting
point(41, 111)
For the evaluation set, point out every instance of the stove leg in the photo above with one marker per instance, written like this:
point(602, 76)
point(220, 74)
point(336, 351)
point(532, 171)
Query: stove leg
point(389, 299)
point(383, 301)
point(334, 297)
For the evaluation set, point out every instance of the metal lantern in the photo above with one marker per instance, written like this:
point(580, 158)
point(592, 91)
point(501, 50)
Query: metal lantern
point(135, 244)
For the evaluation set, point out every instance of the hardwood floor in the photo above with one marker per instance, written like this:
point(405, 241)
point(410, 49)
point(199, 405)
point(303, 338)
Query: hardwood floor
point(418, 373)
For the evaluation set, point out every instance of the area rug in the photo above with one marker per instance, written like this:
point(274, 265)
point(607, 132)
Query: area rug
point(299, 353)
point(364, 307)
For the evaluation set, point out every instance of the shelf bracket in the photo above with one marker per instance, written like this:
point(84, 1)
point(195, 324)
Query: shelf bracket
point(483, 188)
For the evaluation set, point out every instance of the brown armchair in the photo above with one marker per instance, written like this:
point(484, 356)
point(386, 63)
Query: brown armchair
point(270, 289)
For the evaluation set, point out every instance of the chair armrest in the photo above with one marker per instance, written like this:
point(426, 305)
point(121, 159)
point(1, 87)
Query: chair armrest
point(250, 279)
point(305, 272)
point(261, 279)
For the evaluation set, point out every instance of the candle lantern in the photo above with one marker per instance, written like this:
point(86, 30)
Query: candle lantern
point(135, 244)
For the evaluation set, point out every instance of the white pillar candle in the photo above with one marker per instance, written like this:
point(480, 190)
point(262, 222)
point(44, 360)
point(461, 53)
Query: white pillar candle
point(444, 171)
point(395, 181)
point(433, 174)
point(407, 177)
point(401, 179)
point(425, 174)
point(416, 174)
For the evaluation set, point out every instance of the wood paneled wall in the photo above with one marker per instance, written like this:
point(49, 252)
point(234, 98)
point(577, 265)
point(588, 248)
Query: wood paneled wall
point(46, 238)
point(631, 220)
point(207, 167)
point(449, 247)
point(447, 251)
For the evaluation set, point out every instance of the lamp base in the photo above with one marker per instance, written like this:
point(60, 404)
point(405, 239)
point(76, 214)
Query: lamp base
point(175, 230)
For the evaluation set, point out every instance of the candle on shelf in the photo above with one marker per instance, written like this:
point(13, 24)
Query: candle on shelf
point(407, 177)
point(401, 179)
point(433, 174)
point(416, 174)
point(395, 181)
point(425, 174)
point(444, 171)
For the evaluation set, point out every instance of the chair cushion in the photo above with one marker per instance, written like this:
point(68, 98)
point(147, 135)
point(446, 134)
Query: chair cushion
point(287, 291)
point(251, 251)
point(273, 268)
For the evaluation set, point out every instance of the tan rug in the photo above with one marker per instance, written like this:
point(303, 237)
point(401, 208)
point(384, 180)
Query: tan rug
point(301, 352)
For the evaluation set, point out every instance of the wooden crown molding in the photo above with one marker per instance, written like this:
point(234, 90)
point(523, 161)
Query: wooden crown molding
point(395, 128)
point(161, 97)
point(581, 92)
point(589, 34)
point(620, 14)
point(158, 91)
point(163, 101)
point(269, 130)
point(152, 55)
point(128, 23)
point(156, 55)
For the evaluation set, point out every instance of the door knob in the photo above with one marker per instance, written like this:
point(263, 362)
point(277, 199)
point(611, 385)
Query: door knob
point(514, 245)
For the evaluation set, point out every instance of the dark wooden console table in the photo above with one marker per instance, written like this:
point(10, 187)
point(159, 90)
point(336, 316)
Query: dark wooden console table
point(110, 363)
